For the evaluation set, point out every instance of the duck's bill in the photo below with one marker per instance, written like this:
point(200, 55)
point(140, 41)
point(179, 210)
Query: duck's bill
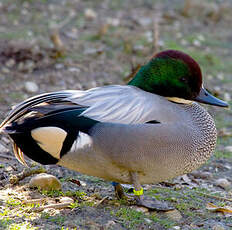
point(206, 98)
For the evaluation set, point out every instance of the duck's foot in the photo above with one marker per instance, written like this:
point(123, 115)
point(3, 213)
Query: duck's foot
point(152, 204)
point(148, 202)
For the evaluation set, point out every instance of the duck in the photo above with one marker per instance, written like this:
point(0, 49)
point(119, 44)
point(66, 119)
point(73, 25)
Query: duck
point(148, 131)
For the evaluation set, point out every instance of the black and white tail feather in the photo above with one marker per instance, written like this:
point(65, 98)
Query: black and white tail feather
point(46, 126)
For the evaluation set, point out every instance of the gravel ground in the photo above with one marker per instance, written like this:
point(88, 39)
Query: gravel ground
point(49, 45)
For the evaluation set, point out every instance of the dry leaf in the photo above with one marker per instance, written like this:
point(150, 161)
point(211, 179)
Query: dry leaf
point(214, 208)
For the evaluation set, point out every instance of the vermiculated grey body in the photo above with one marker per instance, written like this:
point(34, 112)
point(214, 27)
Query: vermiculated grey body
point(184, 140)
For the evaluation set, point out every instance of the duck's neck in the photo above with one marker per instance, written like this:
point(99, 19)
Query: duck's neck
point(158, 76)
point(141, 79)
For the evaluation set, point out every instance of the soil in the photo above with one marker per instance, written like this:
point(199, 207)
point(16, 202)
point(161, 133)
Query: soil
point(50, 45)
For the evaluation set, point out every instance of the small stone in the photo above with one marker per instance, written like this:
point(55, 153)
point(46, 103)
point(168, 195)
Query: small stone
point(145, 21)
point(5, 70)
point(74, 69)
point(141, 209)
point(176, 227)
point(90, 14)
point(10, 63)
point(66, 199)
point(183, 42)
point(113, 21)
point(147, 220)
point(31, 87)
point(201, 37)
point(196, 43)
point(220, 76)
point(227, 97)
point(59, 66)
point(109, 224)
point(223, 183)
point(218, 227)
point(149, 36)
point(202, 175)
point(228, 149)
point(45, 181)
point(174, 215)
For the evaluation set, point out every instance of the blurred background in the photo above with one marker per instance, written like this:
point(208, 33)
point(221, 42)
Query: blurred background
point(48, 45)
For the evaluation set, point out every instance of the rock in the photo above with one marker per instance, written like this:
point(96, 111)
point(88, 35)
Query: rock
point(176, 227)
point(223, 183)
point(66, 199)
point(5, 70)
point(45, 181)
point(31, 87)
point(228, 149)
point(196, 43)
point(147, 220)
point(174, 215)
point(140, 209)
point(10, 63)
point(59, 66)
point(90, 14)
point(218, 227)
point(227, 97)
point(113, 21)
point(109, 224)
point(202, 175)
point(74, 69)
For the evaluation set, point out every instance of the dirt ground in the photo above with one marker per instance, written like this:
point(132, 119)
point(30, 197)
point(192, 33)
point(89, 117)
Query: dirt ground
point(49, 45)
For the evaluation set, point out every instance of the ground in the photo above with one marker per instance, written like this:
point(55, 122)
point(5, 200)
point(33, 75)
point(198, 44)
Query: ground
point(49, 45)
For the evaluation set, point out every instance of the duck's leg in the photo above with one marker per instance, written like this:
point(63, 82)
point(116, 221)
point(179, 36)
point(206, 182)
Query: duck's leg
point(145, 201)
point(119, 191)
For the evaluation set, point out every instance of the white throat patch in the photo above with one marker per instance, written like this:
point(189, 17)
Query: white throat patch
point(50, 139)
point(179, 100)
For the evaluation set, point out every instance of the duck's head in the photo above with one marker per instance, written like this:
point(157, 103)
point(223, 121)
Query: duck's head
point(176, 76)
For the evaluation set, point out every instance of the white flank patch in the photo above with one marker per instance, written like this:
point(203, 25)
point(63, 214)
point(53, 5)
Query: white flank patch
point(50, 139)
point(83, 141)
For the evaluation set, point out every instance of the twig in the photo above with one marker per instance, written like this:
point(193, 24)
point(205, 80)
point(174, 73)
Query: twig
point(14, 179)
point(99, 202)
point(56, 206)
point(8, 157)
point(215, 197)
point(34, 201)
point(156, 34)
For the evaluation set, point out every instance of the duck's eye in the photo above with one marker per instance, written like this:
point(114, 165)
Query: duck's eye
point(184, 79)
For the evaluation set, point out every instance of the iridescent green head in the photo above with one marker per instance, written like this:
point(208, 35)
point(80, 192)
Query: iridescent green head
point(174, 74)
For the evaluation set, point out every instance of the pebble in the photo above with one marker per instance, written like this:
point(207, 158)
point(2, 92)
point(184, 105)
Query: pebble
point(10, 63)
point(45, 181)
point(66, 199)
point(90, 14)
point(31, 87)
point(5, 70)
point(228, 149)
point(148, 220)
point(202, 175)
point(140, 209)
point(223, 183)
point(59, 66)
point(218, 227)
point(176, 227)
point(74, 69)
point(196, 43)
point(227, 97)
point(113, 21)
point(174, 215)
point(145, 21)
